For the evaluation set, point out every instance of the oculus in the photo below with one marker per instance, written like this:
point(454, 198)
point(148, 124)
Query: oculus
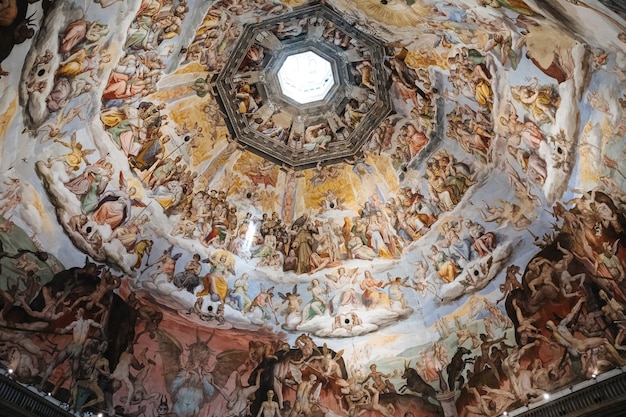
point(305, 77)
point(304, 88)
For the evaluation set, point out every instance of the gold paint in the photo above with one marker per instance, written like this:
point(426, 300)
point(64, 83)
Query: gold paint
point(589, 155)
point(268, 200)
point(425, 57)
point(294, 3)
point(383, 167)
point(192, 67)
point(315, 195)
point(173, 93)
point(395, 12)
point(7, 116)
point(221, 160)
point(382, 340)
point(544, 42)
point(47, 223)
point(607, 129)
point(191, 112)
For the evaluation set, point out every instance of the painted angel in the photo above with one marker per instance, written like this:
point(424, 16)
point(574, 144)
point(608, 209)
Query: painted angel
point(293, 308)
point(343, 277)
point(420, 280)
point(75, 156)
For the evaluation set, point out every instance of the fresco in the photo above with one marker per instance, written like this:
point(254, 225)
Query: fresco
point(468, 260)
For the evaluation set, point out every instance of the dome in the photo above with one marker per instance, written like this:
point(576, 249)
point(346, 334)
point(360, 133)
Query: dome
point(359, 207)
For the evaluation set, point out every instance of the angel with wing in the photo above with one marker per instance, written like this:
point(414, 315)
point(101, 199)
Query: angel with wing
point(344, 276)
point(222, 266)
point(330, 371)
point(260, 172)
point(327, 363)
point(346, 296)
point(324, 173)
point(264, 301)
point(420, 280)
point(75, 156)
point(190, 135)
point(293, 310)
point(114, 205)
point(395, 293)
point(317, 305)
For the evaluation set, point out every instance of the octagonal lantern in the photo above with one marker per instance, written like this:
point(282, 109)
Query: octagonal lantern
point(304, 88)
point(305, 77)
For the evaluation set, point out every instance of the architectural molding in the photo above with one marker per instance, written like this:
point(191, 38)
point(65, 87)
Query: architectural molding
point(272, 42)
point(599, 398)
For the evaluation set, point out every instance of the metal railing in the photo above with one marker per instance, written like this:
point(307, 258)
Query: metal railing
point(26, 403)
point(592, 398)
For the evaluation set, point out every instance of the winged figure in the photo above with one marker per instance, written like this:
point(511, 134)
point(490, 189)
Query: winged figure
point(187, 378)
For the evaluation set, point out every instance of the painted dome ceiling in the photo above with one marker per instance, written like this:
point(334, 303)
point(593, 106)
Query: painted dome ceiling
point(349, 197)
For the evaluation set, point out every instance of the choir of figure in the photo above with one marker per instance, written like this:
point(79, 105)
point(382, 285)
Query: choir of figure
point(227, 225)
